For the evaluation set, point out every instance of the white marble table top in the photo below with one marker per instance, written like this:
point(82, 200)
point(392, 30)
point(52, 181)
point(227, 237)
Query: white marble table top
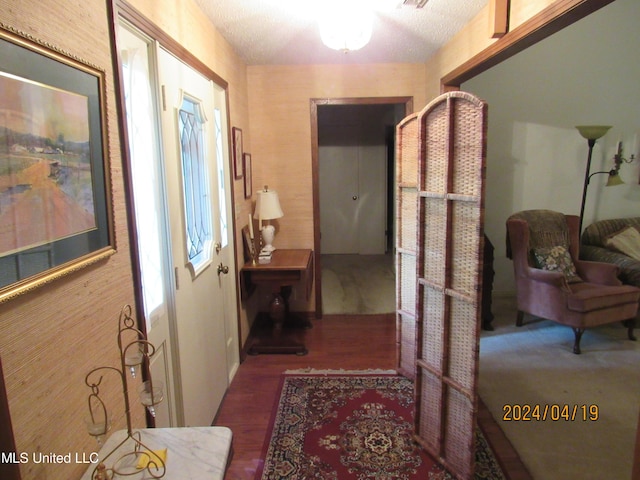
point(192, 452)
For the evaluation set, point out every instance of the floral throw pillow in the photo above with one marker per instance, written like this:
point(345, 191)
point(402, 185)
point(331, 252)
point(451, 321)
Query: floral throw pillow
point(557, 259)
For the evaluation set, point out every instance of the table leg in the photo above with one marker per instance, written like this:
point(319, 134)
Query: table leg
point(276, 334)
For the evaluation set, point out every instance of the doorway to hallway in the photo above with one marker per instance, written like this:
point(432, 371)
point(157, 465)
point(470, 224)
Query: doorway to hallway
point(353, 172)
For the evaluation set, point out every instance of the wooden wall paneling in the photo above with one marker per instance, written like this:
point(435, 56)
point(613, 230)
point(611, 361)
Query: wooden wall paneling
point(498, 18)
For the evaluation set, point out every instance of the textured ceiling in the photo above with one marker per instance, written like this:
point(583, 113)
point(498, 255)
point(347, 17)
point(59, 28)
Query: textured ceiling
point(285, 32)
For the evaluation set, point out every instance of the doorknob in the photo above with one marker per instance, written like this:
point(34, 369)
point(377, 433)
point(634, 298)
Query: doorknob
point(355, 197)
point(222, 269)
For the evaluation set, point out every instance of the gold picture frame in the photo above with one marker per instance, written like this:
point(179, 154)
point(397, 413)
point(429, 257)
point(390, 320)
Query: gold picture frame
point(55, 201)
point(237, 152)
point(249, 245)
point(247, 171)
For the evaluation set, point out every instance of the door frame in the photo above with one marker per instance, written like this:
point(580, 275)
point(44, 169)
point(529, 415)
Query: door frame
point(315, 170)
point(120, 9)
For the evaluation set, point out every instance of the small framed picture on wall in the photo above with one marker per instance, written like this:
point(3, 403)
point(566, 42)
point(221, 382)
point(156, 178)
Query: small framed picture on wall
point(246, 168)
point(249, 244)
point(237, 152)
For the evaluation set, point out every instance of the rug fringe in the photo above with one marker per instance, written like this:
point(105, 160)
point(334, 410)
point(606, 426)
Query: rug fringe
point(313, 371)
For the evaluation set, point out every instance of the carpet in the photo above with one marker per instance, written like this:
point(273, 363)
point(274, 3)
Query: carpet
point(342, 427)
point(535, 365)
point(358, 284)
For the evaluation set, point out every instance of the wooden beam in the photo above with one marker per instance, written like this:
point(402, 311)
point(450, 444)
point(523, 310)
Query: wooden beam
point(552, 19)
point(498, 18)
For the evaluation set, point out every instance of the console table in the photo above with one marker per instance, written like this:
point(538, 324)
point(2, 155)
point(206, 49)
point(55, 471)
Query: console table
point(193, 453)
point(275, 332)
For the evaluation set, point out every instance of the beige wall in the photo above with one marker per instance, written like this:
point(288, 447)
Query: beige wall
point(473, 39)
point(52, 337)
point(279, 106)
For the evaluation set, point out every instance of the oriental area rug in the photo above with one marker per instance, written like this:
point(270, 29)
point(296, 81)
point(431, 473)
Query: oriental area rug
point(352, 426)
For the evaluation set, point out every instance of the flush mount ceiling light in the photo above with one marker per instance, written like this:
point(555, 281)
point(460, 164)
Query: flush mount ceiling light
point(345, 25)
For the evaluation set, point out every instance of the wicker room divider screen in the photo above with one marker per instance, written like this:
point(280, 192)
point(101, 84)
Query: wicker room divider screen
point(407, 154)
point(440, 196)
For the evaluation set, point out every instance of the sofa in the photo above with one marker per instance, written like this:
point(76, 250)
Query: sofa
point(598, 244)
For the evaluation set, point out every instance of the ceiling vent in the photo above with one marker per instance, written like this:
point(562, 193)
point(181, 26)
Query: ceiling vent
point(415, 3)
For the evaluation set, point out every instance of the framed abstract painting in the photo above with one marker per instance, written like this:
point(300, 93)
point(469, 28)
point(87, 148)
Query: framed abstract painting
point(55, 202)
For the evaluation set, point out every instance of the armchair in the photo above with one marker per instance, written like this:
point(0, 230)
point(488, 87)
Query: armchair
point(552, 283)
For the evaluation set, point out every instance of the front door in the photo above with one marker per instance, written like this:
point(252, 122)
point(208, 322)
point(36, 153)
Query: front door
point(202, 267)
point(179, 162)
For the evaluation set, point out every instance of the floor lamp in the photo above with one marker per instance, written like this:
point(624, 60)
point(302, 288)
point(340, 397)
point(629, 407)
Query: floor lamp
point(591, 133)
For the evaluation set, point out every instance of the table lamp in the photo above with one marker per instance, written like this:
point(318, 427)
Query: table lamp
point(267, 208)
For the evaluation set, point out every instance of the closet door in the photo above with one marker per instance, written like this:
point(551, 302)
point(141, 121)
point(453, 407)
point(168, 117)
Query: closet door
point(338, 198)
point(371, 210)
point(353, 180)
point(451, 154)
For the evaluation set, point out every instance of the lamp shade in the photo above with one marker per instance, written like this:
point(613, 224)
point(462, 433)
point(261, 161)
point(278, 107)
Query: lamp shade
point(592, 132)
point(614, 180)
point(268, 205)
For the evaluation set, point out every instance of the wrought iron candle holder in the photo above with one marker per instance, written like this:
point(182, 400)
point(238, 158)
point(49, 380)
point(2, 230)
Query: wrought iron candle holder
point(133, 355)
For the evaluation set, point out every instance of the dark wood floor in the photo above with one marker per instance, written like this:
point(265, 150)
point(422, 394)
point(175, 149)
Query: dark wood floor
point(356, 343)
